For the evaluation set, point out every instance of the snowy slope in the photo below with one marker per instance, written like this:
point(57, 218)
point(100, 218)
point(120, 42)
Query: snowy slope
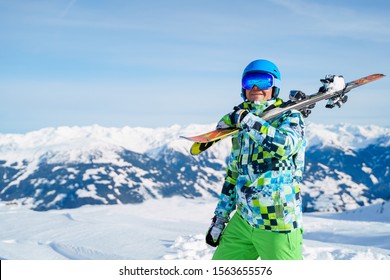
point(173, 229)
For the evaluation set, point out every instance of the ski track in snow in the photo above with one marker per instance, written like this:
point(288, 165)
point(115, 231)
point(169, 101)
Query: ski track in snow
point(171, 229)
point(79, 253)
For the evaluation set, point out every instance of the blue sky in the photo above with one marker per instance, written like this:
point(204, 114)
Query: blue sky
point(159, 63)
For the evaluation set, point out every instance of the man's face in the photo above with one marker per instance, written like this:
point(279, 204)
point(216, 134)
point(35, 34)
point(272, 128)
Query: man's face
point(256, 94)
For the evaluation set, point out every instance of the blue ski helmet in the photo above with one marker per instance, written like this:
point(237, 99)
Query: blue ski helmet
point(262, 66)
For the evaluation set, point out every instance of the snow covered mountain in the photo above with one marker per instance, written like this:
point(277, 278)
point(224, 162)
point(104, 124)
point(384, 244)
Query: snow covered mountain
point(67, 167)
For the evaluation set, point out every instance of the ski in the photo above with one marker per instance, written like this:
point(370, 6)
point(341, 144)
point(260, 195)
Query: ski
point(335, 98)
point(206, 140)
point(211, 136)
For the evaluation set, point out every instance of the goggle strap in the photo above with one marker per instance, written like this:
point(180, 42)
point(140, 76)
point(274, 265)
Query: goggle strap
point(276, 83)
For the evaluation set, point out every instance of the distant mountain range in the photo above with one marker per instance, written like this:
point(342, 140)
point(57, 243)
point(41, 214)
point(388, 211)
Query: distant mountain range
point(67, 167)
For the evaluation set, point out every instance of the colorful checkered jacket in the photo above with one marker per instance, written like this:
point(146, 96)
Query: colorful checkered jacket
point(264, 170)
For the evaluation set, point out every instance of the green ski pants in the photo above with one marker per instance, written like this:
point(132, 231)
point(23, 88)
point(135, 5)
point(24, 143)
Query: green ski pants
point(240, 241)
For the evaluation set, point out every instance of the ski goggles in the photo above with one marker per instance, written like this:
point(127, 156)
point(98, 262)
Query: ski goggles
point(261, 80)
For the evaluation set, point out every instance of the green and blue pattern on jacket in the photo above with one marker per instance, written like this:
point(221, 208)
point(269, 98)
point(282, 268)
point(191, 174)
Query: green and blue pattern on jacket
point(264, 170)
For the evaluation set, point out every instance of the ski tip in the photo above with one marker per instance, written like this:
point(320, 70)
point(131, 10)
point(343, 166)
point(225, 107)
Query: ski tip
point(367, 79)
point(378, 75)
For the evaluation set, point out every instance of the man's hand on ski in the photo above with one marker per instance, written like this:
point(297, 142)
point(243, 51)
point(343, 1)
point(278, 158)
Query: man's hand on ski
point(215, 231)
point(238, 115)
point(232, 119)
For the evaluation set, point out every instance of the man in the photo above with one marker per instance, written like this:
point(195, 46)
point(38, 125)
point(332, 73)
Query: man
point(263, 175)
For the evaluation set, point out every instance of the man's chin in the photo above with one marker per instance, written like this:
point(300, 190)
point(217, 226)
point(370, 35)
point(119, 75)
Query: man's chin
point(257, 98)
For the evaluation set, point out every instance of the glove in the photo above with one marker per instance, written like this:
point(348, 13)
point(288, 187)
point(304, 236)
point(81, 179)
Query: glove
point(232, 119)
point(215, 231)
point(237, 116)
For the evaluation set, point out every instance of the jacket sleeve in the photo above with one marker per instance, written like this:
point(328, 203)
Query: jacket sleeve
point(227, 198)
point(282, 141)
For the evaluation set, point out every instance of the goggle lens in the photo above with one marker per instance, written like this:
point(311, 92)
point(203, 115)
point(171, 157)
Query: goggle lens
point(261, 80)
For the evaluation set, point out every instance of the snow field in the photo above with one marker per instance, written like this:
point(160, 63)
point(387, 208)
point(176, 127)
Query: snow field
point(173, 229)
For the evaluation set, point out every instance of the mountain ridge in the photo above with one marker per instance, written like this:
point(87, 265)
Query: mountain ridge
point(68, 167)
